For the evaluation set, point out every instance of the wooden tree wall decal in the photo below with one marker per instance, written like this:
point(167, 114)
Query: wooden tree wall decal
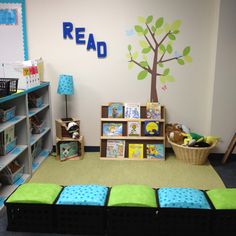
point(159, 38)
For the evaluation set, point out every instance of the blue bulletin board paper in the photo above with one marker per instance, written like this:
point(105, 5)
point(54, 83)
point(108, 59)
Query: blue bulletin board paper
point(9, 17)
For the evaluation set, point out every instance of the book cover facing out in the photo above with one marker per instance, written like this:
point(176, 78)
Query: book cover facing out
point(151, 128)
point(112, 129)
point(153, 110)
point(155, 151)
point(132, 110)
point(135, 150)
point(115, 110)
point(133, 128)
point(115, 148)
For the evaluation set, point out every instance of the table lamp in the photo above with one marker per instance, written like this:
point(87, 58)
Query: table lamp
point(65, 87)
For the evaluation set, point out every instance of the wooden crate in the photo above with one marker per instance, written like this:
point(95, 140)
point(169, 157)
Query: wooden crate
point(80, 142)
point(61, 127)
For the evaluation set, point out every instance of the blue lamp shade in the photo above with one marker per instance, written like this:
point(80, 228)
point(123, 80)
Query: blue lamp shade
point(65, 85)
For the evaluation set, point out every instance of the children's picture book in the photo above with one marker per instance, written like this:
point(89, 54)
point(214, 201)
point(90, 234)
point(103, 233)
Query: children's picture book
point(135, 150)
point(151, 128)
point(132, 110)
point(115, 148)
point(133, 128)
point(115, 110)
point(153, 110)
point(112, 129)
point(155, 151)
point(68, 150)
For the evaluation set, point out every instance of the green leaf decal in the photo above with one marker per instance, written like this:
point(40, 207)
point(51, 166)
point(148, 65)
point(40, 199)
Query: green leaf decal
point(175, 32)
point(166, 71)
point(146, 50)
point(159, 31)
point(162, 48)
point(186, 51)
point(153, 29)
point(143, 63)
point(162, 79)
point(142, 75)
point(171, 36)
point(130, 65)
point(167, 28)
point(135, 55)
point(145, 31)
point(143, 44)
point(149, 19)
point(141, 19)
point(138, 28)
point(159, 22)
point(128, 55)
point(169, 49)
point(170, 78)
point(129, 47)
point(180, 61)
point(188, 58)
point(176, 24)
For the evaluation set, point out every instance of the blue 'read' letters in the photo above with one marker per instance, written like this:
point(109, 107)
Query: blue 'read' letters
point(100, 46)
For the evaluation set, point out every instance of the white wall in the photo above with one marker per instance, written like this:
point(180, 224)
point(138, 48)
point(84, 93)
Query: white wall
point(224, 99)
point(99, 81)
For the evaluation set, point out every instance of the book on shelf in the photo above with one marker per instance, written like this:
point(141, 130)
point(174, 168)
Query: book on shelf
point(155, 151)
point(153, 110)
point(115, 110)
point(151, 128)
point(132, 110)
point(135, 150)
point(112, 129)
point(115, 148)
point(133, 128)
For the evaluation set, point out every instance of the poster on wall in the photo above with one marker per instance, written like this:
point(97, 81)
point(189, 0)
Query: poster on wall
point(13, 42)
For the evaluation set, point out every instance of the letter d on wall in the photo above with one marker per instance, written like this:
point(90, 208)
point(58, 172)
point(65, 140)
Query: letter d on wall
point(102, 49)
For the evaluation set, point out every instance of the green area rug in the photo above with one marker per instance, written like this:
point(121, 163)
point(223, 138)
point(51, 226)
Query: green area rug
point(92, 170)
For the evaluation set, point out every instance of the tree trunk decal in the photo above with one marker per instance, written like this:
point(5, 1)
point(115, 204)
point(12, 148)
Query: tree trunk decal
point(159, 38)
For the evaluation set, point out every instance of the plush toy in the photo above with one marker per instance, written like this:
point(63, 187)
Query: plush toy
point(211, 139)
point(172, 127)
point(73, 129)
point(188, 139)
point(176, 137)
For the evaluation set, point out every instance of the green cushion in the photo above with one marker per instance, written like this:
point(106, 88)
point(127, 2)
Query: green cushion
point(35, 193)
point(132, 195)
point(223, 198)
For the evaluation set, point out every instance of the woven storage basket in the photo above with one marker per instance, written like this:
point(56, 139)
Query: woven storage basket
point(192, 155)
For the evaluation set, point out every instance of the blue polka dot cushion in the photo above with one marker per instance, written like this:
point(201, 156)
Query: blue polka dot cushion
point(89, 195)
point(182, 198)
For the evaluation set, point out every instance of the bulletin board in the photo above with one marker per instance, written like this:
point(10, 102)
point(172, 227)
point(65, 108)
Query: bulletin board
point(13, 38)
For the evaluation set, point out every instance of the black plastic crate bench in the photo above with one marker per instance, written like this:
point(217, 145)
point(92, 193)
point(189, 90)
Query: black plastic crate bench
point(81, 209)
point(72, 219)
point(223, 220)
point(185, 211)
point(179, 221)
point(132, 221)
point(30, 208)
point(30, 217)
point(132, 209)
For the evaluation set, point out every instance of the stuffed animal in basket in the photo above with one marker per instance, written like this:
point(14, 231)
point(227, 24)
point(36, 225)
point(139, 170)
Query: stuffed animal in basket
point(175, 132)
point(73, 129)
